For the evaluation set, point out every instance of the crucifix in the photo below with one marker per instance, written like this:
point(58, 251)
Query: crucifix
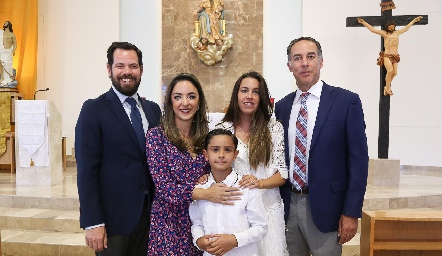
point(388, 22)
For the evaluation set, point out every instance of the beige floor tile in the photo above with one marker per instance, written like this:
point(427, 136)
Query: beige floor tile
point(16, 249)
point(9, 234)
point(29, 212)
point(45, 249)
point(11, 222)
point(76, 239)
point(7, 211)
point(69, 215)
point(24, 237)
point(52, 238)
point(49, 214)
point(5, 200)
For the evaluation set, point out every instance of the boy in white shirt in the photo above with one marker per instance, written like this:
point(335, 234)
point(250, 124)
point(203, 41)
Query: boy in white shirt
point(220, 229)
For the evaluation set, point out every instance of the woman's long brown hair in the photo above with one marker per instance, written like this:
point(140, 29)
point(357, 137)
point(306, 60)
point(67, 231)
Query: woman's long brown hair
point(260, 140)
point(199, 127)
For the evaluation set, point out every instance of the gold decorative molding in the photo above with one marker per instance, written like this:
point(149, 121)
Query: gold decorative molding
point(178, 55)
point(210, 54)
point(5, 119)
point(210, 39)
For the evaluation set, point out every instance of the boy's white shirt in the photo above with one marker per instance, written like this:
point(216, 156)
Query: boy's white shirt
point(245, 220)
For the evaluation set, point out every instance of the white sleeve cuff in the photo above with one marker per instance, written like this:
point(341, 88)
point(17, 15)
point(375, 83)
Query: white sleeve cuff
point(96, 226)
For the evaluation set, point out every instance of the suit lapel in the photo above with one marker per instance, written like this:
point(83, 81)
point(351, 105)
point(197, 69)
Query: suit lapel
point(327, 97)
point(287, 110)
point(117, 108)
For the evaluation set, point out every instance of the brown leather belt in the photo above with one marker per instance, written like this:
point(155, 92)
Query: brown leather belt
point(303, 191)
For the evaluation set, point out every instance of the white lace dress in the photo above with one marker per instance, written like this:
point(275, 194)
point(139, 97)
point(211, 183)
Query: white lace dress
point(274, 243)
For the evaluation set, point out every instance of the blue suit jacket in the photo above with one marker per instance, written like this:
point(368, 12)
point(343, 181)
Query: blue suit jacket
point(112, 171)
point(338, 157)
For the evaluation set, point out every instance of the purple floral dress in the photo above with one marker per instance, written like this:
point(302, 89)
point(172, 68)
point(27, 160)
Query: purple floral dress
point(174, 174)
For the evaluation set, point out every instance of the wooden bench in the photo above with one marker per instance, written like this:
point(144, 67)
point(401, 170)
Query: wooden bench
point(397, 233)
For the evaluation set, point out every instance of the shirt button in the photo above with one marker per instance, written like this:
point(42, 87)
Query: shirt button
point(142, 187)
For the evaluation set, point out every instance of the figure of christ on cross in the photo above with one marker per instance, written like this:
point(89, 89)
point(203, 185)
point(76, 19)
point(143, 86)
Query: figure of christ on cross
point(390, 56)
point(384, 101)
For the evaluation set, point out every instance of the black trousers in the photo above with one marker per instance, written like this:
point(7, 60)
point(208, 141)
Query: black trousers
point(133, 244)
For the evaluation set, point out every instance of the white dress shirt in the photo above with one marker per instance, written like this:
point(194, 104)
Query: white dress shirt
point(245, 219)
point(127, 107)
point(312, 110)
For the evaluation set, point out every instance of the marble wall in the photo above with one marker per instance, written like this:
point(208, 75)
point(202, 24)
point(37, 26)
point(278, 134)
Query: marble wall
point(244, 20)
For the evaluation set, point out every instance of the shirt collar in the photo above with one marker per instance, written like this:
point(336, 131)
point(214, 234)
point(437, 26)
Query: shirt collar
point(315, 90)
point(123, 98)
point(230, 180)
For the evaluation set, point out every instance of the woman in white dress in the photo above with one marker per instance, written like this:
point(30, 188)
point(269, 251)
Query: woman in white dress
point(261, 153)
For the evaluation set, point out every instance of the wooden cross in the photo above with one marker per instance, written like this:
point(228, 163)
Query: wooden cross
point(384, 101)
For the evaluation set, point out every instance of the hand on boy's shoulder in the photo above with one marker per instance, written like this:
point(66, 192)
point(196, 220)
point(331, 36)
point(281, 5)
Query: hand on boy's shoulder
point(222, 194)
point(249, 181)
point(222, 243)
point(203, 179)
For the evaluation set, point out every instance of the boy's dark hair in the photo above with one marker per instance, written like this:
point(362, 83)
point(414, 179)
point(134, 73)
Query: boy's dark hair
point(219, 131)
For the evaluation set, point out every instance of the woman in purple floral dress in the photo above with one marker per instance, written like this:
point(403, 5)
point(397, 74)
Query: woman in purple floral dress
point(176, 161)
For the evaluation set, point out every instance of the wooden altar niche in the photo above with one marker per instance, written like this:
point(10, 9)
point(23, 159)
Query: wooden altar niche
point(8, 158)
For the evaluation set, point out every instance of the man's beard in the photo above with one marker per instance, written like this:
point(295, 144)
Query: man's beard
point(127, 91)
point(391, 30)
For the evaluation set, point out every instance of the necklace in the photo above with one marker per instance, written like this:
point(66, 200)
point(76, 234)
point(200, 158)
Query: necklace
point(183, 133)
point(187, 141)
point(246, 134)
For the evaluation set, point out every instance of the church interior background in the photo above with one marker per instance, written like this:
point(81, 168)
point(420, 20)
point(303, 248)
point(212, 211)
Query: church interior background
point(43, 220)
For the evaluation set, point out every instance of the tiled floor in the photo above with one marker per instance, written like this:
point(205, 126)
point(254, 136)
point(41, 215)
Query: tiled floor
point(28, 211)
point(41, 220)
point(413, 183)
point(68, 189)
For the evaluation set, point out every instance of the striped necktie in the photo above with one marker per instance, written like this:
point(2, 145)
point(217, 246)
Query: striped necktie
point(300, 167)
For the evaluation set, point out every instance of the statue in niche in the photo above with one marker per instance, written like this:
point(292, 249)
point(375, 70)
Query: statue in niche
point(7, 51)
point(210, 40)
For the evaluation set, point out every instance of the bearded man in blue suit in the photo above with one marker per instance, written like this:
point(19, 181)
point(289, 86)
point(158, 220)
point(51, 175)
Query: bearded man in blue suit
point(114, 184)
point(322, 210)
